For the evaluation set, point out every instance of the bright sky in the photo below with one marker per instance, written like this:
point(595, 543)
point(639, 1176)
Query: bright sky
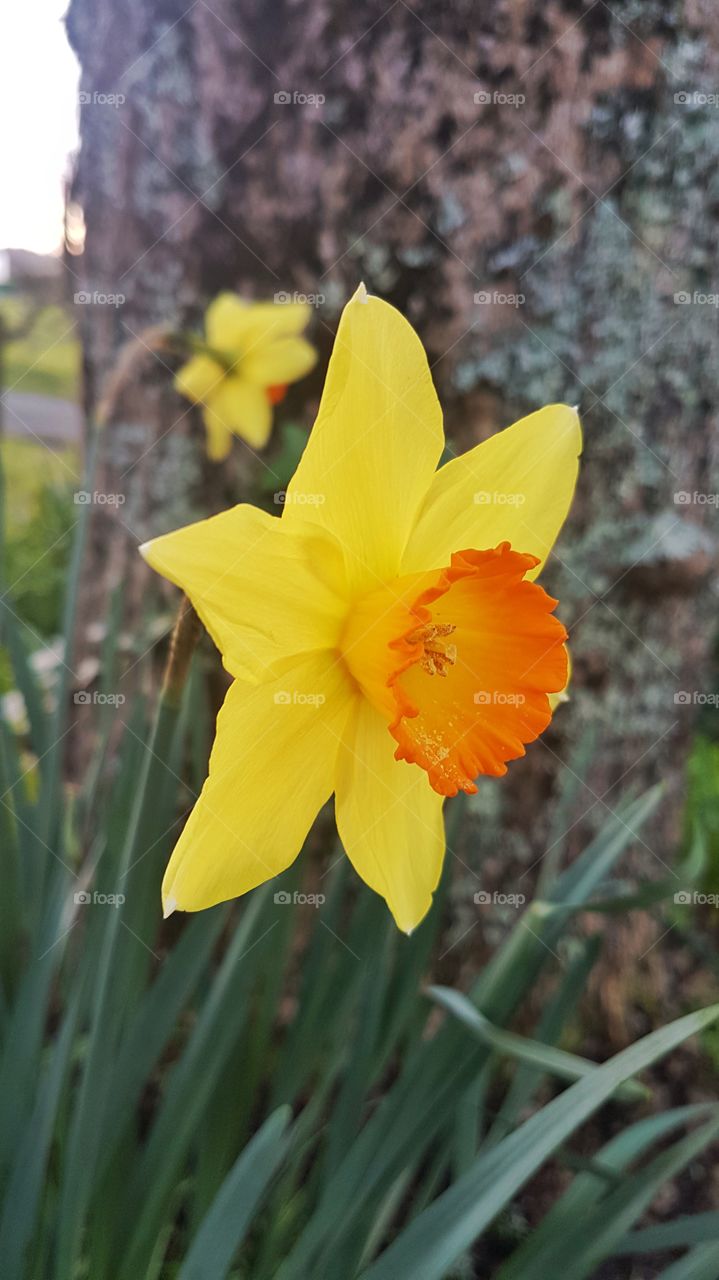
point(38, 109)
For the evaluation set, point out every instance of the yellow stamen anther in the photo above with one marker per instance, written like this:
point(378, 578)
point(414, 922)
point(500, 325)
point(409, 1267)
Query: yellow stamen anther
point(436, 658)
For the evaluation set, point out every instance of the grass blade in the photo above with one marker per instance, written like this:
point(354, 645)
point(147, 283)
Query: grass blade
point(224, 1227)
point(556, 1062)
point(433, 1242)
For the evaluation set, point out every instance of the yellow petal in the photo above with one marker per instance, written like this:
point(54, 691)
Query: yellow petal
point(234, 326)
point(271, 771)
point(265, 591)
point(226, 321)
point(268, 321)
point(219, 437)
point(388, 817)
point(278, 363)
point(243, 409)
point(199, 378)
point(376, 441)
point(518, 486)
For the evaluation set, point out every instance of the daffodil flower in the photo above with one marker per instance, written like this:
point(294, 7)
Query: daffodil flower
point(250, 353)
point(386, 636)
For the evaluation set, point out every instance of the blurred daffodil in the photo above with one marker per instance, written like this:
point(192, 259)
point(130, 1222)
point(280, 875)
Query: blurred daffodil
point(251, 351)
point(386, 637)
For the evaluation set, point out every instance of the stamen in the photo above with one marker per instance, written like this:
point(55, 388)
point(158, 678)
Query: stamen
point(436, 659)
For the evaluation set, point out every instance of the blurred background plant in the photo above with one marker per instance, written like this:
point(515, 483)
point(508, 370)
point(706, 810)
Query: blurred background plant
point(39, 535)
point(39, 380)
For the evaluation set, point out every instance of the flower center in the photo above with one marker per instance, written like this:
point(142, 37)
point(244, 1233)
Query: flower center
point(505, 656)
point(436, 656)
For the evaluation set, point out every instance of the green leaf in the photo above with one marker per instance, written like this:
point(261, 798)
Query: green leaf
point(25, 678)
point(581, 957)
point(225, 1225)
point(191, 1082)
point(578, 1243)
point(690, 1229)
point(434, 1241)
point(155, 1020)
point(566, 1066)
point(93, 1105)
point(579, 881)
point(700, 1264)
point(534, 1259)
point(24, 1190)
